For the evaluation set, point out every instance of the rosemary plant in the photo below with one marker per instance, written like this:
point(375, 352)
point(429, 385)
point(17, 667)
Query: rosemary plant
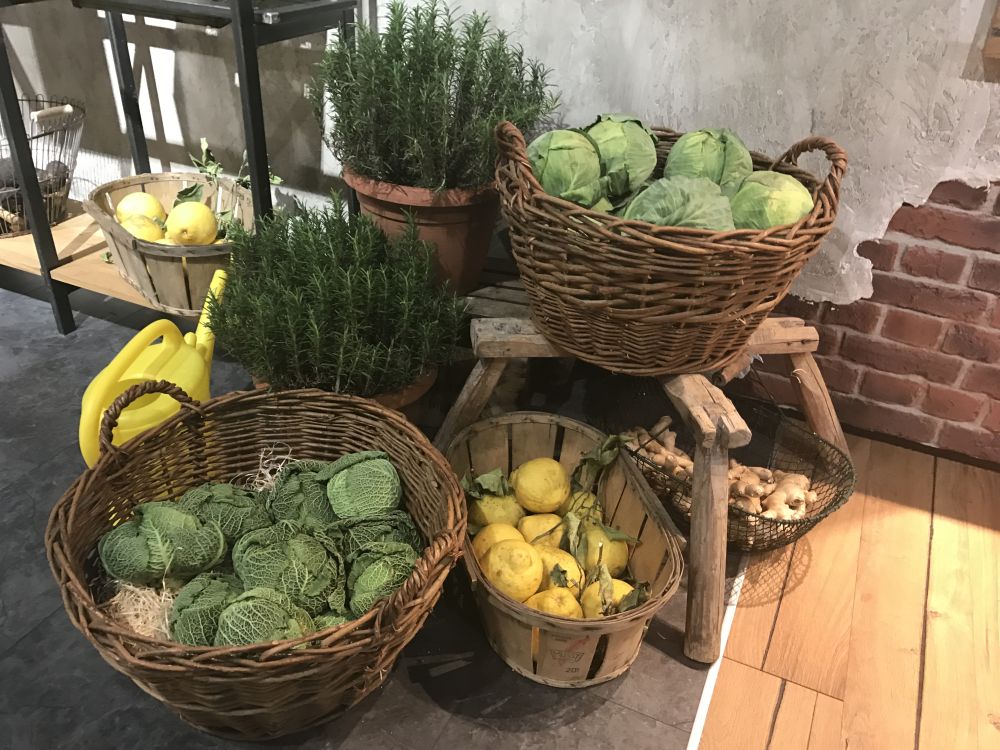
point(416, 104)
point(321, 300)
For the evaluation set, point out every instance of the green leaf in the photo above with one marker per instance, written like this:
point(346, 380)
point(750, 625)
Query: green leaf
point(491, 483)
point(558, 576)
point(192, 193)
point(616, 535)
point(593, 464)
point(607, 590)
point(635, 598)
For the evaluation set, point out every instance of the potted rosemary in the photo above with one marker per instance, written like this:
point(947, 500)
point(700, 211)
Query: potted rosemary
point(413, 110)
point(320, 300)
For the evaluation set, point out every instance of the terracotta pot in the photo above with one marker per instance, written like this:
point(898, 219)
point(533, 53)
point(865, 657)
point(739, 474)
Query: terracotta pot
point(394, 399)
point(459, 222)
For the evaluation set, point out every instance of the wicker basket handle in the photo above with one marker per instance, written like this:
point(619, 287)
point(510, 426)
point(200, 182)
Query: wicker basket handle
point(511, 146)
point(836, 155)
point(110, 420)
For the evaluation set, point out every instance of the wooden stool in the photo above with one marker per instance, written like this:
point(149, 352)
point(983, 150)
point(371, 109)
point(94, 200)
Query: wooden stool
point(712, 418)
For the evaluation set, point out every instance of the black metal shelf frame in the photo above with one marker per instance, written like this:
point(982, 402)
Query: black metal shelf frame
point(255, 24)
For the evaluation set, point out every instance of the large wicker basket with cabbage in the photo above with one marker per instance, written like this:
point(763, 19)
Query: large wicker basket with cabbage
point(291, 605)
point(622, 278)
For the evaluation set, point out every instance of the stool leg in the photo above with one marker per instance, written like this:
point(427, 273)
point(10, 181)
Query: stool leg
point(707, 552)
point(815, 399)
point(471, 401)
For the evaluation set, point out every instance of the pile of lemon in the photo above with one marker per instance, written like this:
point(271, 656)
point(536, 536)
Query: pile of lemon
point(189, 223)
point(522, 545)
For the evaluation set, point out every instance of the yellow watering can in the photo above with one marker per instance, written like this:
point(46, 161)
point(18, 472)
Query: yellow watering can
point(184, 360)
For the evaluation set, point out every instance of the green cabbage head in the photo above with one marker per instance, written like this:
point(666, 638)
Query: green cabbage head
point(295, 560)
point(236, 510)
point(365, 484)
point(627, 150)
point(352, 534)
point(377, 571)
point(682, 202)
point(299, 494)
point(162, 541)
point(718, 155)
point(768, 199)
point(567, 164)
point(261, 615)
point(194, 617)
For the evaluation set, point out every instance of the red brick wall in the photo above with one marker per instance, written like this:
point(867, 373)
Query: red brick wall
point(920, 359)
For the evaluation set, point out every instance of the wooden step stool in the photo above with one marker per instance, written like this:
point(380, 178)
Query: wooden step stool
point(712, 418)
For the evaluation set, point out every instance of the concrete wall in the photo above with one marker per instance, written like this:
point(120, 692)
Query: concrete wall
point(892, 81)
point(895, 82)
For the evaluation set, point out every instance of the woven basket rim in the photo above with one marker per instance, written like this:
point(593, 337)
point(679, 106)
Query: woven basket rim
point(652, 505)
point(655, 234)
point(78, 592)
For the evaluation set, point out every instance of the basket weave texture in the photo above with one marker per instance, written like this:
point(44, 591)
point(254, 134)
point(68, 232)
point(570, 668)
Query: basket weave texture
point(559, 651)
point(643, 299)
point(264, 690)
point(172, 278)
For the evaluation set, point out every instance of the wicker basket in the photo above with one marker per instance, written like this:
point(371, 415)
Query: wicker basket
point(270, 689)
point(172, 278)
point(642, 299)
point(778, 442)
point(559, 651)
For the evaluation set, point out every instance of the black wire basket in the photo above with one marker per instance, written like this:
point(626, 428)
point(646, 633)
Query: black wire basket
point(778, 442)
point(53, 126)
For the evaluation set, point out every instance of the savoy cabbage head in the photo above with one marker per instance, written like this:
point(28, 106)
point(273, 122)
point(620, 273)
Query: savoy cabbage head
point(295, 560)
point(351, 534)
point(162, 541)
point(365, 484)
point(299, 494)
point(194, 617)
point(377, 571)
point(260, 615)
point(236, 510)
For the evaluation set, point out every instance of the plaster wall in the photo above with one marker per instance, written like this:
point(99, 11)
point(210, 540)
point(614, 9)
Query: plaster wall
point(894, 82)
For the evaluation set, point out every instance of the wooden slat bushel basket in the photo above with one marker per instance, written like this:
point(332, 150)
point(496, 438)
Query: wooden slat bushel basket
point(172, 278)
point(560, 651)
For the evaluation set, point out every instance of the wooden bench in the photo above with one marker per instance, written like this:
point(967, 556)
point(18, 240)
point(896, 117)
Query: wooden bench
point(502, 330)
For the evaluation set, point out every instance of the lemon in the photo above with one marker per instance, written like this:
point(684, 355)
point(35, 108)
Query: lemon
point(556, 602)
point(552, 557)
point(543, 529)
point(540, 485)
point(192, 223)
point(490, 535)
point(493, 509)
point(590, 600)
point(139, 204)
point(165, 241)
point(143, 228)
point(615, 554)
point(585, 505)
point(514, 567)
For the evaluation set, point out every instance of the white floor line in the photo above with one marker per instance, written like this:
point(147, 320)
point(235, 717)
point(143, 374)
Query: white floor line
point(713, 671)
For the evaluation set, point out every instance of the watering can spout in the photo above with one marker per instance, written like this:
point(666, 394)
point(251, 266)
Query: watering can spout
point(204, 339)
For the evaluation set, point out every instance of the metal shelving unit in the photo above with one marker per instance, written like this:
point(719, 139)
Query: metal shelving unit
point(255, 23)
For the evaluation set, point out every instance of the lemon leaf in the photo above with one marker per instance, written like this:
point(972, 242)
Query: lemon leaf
point(607, 590)
point(192, 193)
point(491, 483)
point(635, 598)
point(593, 464)
point(558, 576)
point(617, 535)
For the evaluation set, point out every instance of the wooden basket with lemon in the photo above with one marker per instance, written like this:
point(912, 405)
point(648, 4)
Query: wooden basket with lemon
point(166, 232)
point(570, 554)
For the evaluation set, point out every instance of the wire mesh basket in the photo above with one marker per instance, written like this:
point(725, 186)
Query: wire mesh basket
point(779, 442)
point(53, 126)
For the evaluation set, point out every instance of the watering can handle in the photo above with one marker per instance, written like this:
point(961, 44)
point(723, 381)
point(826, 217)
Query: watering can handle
point(204, 339)
point(110, 420)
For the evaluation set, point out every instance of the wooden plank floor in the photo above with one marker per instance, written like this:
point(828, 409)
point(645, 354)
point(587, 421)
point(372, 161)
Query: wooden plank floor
point(881, 629)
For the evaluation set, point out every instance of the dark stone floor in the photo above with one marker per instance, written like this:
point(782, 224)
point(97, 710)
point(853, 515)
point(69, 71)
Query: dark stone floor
point(448, 690)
